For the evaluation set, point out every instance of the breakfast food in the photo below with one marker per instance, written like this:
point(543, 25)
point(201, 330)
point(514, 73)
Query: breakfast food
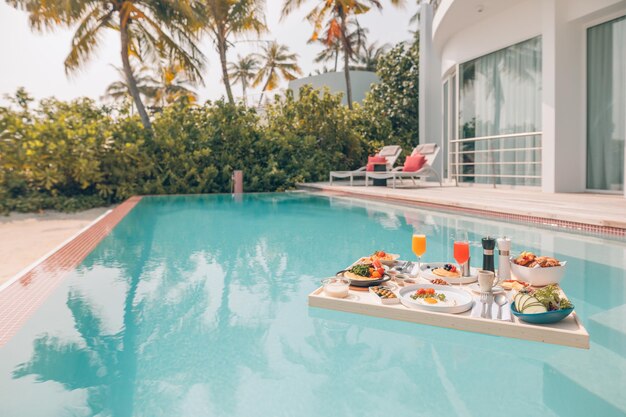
point(383, 292)
point(439, 281)
point(428, 296)
point(511, 284)
point(448, 271)
point(365, 272)
point(530, 260)
point(549, 298)
point(382, 256)
point(385, 295)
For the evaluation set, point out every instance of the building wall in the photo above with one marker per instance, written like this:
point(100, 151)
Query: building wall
point(335, 81)
point(466, 29)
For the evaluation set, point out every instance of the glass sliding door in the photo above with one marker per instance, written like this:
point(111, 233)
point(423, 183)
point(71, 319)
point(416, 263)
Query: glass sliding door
point(500, 94)
point(606, 105)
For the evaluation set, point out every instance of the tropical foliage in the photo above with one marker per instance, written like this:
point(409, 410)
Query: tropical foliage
point(277, 63)
point(391, 109)
point(149, 29)
point(243, 71)
point(223, 19)
point(332, 17)
point(73, 155)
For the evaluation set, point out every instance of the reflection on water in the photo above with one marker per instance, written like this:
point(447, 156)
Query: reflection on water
point(197, 306)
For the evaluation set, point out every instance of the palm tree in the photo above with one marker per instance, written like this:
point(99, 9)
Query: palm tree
point(369, 56)
point(357, 38)
point(277, 63)
point(172, 85)
point(118, 91)
point(225, 18)
point(243, 71)
point(148, 29)
point(336, 14)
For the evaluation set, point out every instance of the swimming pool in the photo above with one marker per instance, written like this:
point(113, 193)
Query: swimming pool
point(197, 306)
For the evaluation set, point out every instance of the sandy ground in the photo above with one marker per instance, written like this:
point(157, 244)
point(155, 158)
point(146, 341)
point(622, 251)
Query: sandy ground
point(24, 238)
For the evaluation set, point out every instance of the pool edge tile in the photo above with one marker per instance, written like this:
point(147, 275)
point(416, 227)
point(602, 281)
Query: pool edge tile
point(20, 300)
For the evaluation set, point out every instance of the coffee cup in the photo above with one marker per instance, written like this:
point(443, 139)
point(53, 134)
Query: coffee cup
point(487, 280)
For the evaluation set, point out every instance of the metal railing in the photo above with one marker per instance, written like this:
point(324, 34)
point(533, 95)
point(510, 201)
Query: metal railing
point(461, 157)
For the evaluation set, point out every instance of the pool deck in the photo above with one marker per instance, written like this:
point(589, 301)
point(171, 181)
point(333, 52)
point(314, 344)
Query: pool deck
point(600, 213)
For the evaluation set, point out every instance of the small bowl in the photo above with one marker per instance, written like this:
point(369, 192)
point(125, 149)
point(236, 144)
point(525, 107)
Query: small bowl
point(542, 318)
point(336, 287)
point(404, 279)
point(538, 277)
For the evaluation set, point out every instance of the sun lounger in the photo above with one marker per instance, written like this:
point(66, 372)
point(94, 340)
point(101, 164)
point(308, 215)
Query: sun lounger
point(391, 152)
point(430, 152)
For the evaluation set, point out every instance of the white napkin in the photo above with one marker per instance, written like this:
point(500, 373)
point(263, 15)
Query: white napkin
point(490, 307)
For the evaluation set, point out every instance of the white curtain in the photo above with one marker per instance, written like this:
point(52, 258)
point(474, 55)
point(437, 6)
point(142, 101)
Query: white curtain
point(501, 94)
point(606, 105)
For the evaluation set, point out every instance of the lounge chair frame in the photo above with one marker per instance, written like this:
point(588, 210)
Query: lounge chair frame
point(396, 173)
point(361, 172)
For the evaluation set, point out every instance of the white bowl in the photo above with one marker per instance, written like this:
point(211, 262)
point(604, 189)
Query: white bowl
point(538, 277)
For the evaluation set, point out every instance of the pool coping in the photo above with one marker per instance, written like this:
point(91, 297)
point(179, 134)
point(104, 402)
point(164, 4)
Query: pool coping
point(22, 294)
point(553, 223)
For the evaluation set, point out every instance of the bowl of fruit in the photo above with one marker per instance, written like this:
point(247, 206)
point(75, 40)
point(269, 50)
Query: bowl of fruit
point(541, 306)
point(538, 271)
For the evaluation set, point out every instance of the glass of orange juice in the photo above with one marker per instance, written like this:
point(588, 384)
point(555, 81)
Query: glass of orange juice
point(418, 244)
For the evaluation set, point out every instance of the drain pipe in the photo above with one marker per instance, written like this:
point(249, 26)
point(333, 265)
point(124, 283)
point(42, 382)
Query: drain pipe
point(237, 181)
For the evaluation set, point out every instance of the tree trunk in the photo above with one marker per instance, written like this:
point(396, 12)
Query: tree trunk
point(130, 78)
point(336, 58)
point(243, 87)
point(263, 91)
point(221, 47)
point(346, 59)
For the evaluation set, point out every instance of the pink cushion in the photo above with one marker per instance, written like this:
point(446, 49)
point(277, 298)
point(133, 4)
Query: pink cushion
point(414, 163)
point(372, 160)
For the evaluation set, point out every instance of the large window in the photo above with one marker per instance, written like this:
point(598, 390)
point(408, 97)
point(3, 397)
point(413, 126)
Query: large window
point(606, 105)
point(500, 94)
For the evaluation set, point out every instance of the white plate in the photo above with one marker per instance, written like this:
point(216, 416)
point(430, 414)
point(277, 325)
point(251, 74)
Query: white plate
point(462, 300)
point(427, 274)
point(476, 288)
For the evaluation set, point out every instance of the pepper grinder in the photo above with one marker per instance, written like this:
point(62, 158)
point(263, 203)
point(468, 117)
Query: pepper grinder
point(504, 250)
point(489, 245)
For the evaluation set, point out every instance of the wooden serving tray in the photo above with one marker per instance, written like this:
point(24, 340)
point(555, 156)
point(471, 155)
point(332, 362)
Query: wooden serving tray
point(568, 332)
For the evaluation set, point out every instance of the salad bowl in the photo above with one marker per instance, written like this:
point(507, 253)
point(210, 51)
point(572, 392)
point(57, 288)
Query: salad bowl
point(542, 318)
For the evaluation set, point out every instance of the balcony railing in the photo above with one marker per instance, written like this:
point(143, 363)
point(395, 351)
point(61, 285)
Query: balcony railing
point(496, 161)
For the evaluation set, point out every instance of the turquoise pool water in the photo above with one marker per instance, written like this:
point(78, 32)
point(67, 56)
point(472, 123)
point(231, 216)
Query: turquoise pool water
point(197, 306)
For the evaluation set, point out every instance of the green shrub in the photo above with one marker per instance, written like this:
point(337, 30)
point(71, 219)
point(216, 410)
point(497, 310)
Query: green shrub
point(75, 155)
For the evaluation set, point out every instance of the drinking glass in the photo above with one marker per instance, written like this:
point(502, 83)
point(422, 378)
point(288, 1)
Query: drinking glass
point(461, 249)
point(418, 244)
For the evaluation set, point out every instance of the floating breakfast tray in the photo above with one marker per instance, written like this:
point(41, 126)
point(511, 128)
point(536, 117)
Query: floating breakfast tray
point(568, 332)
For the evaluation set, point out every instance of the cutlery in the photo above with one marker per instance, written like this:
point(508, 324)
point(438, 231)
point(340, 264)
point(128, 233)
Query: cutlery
point(483, 299)
point(500, 300)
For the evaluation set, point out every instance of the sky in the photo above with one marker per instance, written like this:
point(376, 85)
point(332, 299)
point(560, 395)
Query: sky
point(35, 60)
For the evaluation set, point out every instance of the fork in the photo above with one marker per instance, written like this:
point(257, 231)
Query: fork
point(484, 296)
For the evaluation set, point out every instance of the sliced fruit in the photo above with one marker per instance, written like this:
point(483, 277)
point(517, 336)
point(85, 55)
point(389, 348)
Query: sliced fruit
point(534, 308)
point(530, 300)
point(519, 303)
point(516, 299)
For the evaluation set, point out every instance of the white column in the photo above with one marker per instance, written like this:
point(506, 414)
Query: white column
point(430, 111)
point(563, 108)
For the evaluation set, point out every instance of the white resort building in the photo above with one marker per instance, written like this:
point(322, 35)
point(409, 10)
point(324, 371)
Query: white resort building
point(526, 92)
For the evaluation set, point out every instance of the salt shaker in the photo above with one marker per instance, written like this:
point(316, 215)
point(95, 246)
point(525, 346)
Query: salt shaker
point(504, 250)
